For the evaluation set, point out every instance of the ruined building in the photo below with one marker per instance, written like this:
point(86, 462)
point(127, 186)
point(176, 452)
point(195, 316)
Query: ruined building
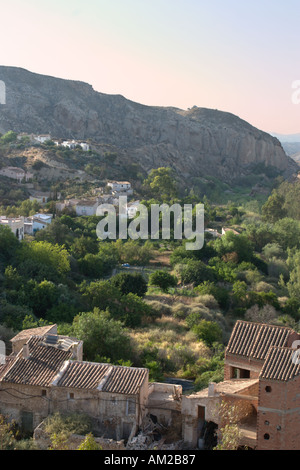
point(262, 378)
point(45, 373)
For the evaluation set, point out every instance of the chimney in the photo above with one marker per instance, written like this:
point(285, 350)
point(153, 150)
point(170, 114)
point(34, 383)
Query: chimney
point(26, 351)
point(211, 389)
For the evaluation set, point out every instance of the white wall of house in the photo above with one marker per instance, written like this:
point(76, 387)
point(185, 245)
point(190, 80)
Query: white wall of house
point(82, 209)
point(15, 224)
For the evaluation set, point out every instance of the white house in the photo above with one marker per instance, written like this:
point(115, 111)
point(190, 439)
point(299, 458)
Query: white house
point(42, 138)
point(85, 147)
point(71, 144)
point(41, 198)
point(212, 232)
point(16, 173)
point(225, 230)
point(16, 225)
point(86, 207)
point(41, 221)
point(120, 186)
point(47, 218)
point(132, 209)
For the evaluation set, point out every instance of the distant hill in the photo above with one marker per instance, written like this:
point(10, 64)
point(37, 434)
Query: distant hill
point(291, 138)
point(196, 143)
point(289, 142)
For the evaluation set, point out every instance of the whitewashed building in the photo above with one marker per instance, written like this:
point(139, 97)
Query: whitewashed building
point(86, 207)
point(41, 198)
point(16, 225)
point(120, 186)
point(42, 138)
point(37, 222)
point(16, 173)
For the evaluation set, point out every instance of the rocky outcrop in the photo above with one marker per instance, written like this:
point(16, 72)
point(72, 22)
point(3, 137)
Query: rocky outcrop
point(195, 142)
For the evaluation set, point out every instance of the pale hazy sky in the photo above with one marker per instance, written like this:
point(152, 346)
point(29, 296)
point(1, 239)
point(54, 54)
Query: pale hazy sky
point(240, 56)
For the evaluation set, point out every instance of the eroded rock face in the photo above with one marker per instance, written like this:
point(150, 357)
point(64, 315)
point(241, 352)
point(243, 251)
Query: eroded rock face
point(196, 142)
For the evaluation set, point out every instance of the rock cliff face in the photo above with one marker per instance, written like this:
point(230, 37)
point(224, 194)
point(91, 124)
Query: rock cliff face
point(196, 142)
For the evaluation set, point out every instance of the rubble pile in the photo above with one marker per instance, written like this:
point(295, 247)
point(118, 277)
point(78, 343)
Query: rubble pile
point(152, 436)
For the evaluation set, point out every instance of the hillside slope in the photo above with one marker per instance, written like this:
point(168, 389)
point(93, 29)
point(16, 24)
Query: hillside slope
point(196, 142)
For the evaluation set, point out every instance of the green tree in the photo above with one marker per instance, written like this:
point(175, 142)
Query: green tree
point(8, 244)
point(208, 331)
point(53, 256)
point(161, 184)
point(195, 272)
point(103, 336)
point(163, 280)
point(273, 209)
point(130, 283)
point(8, 138)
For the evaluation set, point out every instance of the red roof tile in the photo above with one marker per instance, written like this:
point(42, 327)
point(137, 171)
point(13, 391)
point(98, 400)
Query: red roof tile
point(254, 340)
point(105, 377)
point(40, 368)
point(281, 364)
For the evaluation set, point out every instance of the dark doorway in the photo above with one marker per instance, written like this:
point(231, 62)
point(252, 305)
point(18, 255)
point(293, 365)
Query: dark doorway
point(27, 421)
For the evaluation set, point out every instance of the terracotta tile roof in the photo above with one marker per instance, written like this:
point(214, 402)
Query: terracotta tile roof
point(254, 340)
point(125, 380)
point(82, 375)
point(40, 368)
point(104, 377)
point(40, 331)
point(281, 364)
point(8, 362)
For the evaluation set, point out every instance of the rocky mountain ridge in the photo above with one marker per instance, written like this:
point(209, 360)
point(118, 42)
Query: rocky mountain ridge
point(196, 142)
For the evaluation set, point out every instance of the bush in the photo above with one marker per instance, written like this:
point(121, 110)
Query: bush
point(72, 423)
point(209, 332)
point(130, 283)
point(195, 272)
point(163, 280)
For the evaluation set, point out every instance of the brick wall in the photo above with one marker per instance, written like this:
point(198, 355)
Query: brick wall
point(279, 415)
point(232, 361)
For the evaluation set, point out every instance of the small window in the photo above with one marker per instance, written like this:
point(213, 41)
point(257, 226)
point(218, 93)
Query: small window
point(44, 393)
point(71, 396)
point(266, 437)
point(268, 389)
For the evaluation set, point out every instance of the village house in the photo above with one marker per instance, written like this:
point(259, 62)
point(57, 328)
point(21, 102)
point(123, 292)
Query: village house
point(72, 144)
point(16, 173)
point(67, 204)
point(262, 381)
point(120, 187)
point(37, 222)
point(225, 230)
point(132, 209)
point(40, 197)
point(16, 224)
point(41, 139)
point(214, 233)
point(86, 207)
point(48, 369)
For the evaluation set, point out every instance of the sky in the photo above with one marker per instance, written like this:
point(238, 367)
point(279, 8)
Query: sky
point(236, 56)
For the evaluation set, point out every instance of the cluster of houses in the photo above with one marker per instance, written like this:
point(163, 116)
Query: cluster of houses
point(82, 207)
point(88, 206)
point(46, 373)
point(42, 138)
point(20, 226)
point(16, 173)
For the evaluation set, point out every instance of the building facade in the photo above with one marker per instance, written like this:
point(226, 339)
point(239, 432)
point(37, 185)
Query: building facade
point(48, 370)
